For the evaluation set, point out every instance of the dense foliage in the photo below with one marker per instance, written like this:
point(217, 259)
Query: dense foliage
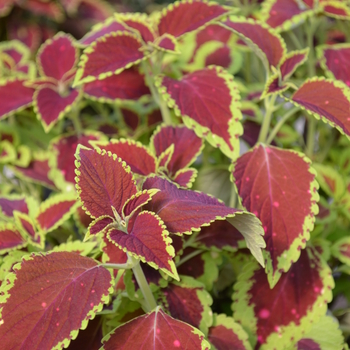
point(177, 178)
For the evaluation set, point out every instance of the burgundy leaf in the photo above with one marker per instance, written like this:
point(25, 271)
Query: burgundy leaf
point(187, 146)
point(137, 201)
point(10, 203)
point(337, 10)
point(336, 60)
point(194, 267)
point(10, 238)
point(103, 181)
point(109, 55)
point(273, 86)
point(137, 156)
point(131, 118)
point(251, 132)
point(207, 100)
point(220, 235)
point(327, 100)
point(128, 85)
point(186, 16)
point(213, 32)
point(64, 147)
point(279, 187)
point(45, 292)
point(308, 344)
point(183, 210)
point(24, 222)
point(159, 331)
point(185, 177)
point(57, 56)
point(148, 240)
point(283, 314)
point(112, 253)
point(167, 43)
point(265, 38)
point(220, 57)
point(15, 96)
point(292, 61)
point(50, 106)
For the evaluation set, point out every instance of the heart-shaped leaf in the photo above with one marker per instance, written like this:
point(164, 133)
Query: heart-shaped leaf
point(148, 240)
point(276, 317)
point(103, 182)
point(13, 202)
point(336, 9)
point(50, 106)
point(10, 238)
point(186, 16)
point(46, 291)
point(208, 102)
point(279, 187)
point(160, 331)
point(109, 55)
point(327, 100)
point(15, 96)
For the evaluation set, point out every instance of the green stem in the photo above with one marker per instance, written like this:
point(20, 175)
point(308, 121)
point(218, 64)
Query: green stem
point(294, 39)
point(310, 28)
point(189, 257)
point(158, 99)
point(280, 123)
point(310, 137)
point(269, 109)
point(143, 284)
point(76, 121)
point(233, 196)
point(127, 266)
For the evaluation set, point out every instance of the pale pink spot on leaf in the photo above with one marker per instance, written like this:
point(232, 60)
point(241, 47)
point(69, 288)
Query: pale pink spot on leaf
point(264, 313)
point(177, 343)
point(276, 204)
point(43, 304)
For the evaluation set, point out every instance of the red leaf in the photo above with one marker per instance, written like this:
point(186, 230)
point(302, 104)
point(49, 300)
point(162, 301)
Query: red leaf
point(14, 96)
point(289, 309)
point(148, 240)
point(327, 100)
point(279, 187)
point(207, 100)
point(128, 85)
point(112, 253)
point(50, 106)
point(103, 181)
point(185, 177)
point(137, 201)
point(10, 238)
point(57, 56)
point(292, 61)
point(183, 210)
point(109, 55)
point(187, 16)
point(167, 43)
point(269, 42)
point(47, 291)
point(187, 146)
point(99, 225)
point(337, 61)
point(11, 203)
point(159, 330)
point(137, 156)
point(336, 10)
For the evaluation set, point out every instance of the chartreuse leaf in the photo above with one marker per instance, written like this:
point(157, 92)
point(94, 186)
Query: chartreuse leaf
point(10, 238)
point(263, 40)
point(330, 180)
point(103, 181)
point(279, 187)
point(227, 334)
point(335, 60)
point(108, 55)
point(341, 250)
point(189, 302)
point(275, 318)
point(208, 102)
point(8, 261)
point(8, 152)
point(284, 14)
point(189, 15)
point(324, 335)
point(327, 100)
point(55, 211)
point(15, 96)
point(44, 292)
point(147, 239)
point(137, 156)
point(159, 330)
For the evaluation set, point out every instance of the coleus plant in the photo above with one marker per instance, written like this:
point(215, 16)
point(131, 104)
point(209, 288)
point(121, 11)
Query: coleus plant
point(129, 195)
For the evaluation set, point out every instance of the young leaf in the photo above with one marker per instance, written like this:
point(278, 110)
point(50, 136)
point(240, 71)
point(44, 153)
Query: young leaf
point(44, 292)
point(103, 182)
point(292, 61)
point(186, 16)
point(266, 42)
point(28, 230)
point(327, 100)
point(341, 250)
point(136, 201)
point(108, 55)
point(13, 202)
point(208, 102)
point(279, 187)
point(160, 331)
point(148, 240)
point(274, 318)
point(10, 238)
point(336, 9)
point(228, 334)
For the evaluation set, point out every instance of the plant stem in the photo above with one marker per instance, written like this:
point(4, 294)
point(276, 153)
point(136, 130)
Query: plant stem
point(269, 109)
point(127, 266)
point(310, 137)
point(76, 121)
point(189, 257)
point(280, 123)
point(143, 284)
point(233, 196)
